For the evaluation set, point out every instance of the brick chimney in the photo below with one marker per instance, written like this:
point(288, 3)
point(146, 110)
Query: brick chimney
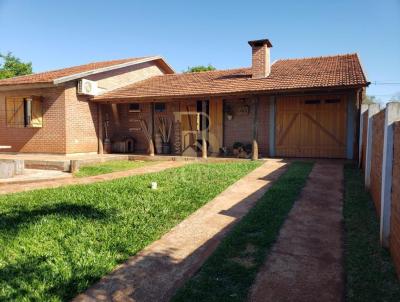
point(261, 66)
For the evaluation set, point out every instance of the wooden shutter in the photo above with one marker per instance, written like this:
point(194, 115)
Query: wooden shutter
point(15, 111)
point(37, 113)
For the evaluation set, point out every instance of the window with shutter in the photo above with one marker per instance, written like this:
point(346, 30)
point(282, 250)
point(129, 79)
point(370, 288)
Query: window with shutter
point(24, 112)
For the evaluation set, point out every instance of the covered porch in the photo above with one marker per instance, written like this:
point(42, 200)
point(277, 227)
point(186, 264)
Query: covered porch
point(215, 126)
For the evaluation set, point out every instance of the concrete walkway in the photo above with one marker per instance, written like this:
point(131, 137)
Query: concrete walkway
point(54, 183)
point(305, 265)
point(156, 272)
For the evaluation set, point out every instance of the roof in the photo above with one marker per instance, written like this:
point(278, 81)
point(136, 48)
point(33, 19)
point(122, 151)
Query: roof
point(71, 73)
point(318, 72)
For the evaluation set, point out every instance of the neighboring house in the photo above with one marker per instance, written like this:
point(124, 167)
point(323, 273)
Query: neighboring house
point(293, 108)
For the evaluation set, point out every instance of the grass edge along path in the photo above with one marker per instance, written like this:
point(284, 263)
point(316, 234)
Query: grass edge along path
point(110, 167)
point(231, 270)
point(370, 274)
point(55, 243)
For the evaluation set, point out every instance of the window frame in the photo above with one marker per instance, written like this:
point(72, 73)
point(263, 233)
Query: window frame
point(162, 110)
point(134, 110)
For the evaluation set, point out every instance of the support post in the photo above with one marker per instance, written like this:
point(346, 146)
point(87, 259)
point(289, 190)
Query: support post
point(204, 129)
point(151, 141)
point(255, 130)
point(364, 109)
point(351, 104)
point(372, 110)
point(271, 127)
point(392, 114)
point(100, 130)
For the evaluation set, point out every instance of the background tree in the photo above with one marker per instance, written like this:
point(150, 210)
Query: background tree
point(199, 68)
point(12, 66)
point(370, 99)
point(395, 97)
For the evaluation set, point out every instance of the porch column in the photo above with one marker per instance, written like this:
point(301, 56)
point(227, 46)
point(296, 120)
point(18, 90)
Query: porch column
point(255, 130)
point(204, 129)
point(151, 139)
point(271, 127)
point(100, 126)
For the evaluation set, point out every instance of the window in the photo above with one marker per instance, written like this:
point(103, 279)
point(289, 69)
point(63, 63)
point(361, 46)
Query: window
point(312, 102)
point(134, 107)
point(332, 101)
point(159, 107)
point(24, 112)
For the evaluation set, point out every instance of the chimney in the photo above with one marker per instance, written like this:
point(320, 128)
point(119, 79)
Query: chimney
point(261, 66)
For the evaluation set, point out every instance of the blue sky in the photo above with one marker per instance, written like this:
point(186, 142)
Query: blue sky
point(54, 34)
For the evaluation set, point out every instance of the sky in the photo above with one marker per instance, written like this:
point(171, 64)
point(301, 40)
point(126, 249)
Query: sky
point(56, 34)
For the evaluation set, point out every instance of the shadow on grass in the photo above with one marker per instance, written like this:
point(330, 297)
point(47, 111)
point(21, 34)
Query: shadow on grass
point(11, 222)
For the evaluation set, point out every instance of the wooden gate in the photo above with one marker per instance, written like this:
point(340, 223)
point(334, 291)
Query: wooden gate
point(311, 126)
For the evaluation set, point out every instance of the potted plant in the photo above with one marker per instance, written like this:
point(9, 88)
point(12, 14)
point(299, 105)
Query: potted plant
point(237, 148)
point(165, 127)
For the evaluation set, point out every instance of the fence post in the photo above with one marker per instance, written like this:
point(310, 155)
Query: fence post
point(364, 108)
point(372, 110)
point(392, 114)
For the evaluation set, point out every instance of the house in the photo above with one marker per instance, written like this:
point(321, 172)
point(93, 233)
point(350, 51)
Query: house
point(292, 108)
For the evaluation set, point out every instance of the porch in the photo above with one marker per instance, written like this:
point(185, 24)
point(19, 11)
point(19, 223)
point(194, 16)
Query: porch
point(216, 127)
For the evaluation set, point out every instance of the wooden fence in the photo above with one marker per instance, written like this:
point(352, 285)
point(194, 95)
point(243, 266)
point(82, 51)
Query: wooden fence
point(380, 159)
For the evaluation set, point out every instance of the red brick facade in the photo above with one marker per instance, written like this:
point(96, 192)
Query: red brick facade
point(376, 158)
point(51, 138)
point(395, 210)
point(69, 123)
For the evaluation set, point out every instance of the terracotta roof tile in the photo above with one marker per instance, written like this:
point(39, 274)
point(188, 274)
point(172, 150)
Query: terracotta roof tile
point(332, 71)
point(50, 76)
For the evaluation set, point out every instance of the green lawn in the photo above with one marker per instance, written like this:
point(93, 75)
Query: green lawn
point(111, 166)
point(228, 274)
point(56, 242)
point(370, 275)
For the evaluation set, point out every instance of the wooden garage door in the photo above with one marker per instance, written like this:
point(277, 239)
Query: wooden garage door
point(311, 126)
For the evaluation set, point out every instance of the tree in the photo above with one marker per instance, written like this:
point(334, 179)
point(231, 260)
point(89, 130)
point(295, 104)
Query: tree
point(370, 99)
point(395, 97)
point(200, 68)
point(12, 66)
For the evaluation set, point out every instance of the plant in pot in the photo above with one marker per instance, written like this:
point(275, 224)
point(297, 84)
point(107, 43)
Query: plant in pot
point(165, 127)
point(237, 148)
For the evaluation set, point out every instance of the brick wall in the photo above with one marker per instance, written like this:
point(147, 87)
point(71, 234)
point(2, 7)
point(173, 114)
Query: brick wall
point(240, 128)
point(395, 209)
point(376, 159)
point(48, 139)
point(81, 122)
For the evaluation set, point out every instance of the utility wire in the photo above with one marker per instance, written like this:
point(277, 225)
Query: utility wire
point(385, 83)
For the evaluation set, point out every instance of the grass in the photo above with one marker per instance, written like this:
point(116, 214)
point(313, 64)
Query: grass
point(56, 242)
point(110, 166)
point(228, 274)
point(370, 274)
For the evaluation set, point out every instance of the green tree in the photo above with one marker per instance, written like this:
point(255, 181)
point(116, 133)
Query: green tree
point(200, 68)
point(12, 66)
point(395, 97)
point(370, 99)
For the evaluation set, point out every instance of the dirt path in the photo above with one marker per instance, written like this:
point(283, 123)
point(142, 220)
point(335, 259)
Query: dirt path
point(13, 188)
point(156, 272)
point(306, 262)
